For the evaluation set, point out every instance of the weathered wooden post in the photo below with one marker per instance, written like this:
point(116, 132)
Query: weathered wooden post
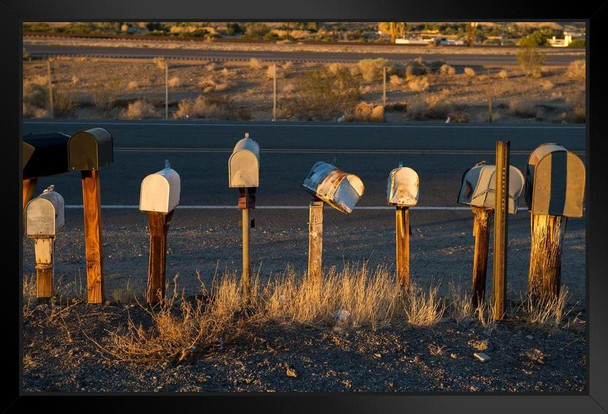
point(340, 190)
point(478, 190)
point(88, 151)
point(555, 184)
point(499, 275)
point(159, 196)
point(402, 191)
point(244, 174)
point(44, 217)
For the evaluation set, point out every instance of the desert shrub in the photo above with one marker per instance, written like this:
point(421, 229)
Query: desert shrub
point(469, 71)
point(132, 85)
point(256, 30)
point(140, 109)
point(432, 107)
point(418, 84)
point(104, 94)
point(396, 80)
point(377, 114)
point(447, 70)
point(321, 95)
point(522, 108)
point(547, 85)
point(174, 82)
point(211, 67)
point(31, 111)
point(371, 69)
point(531, 61)
point(458, 117)
point(210, 106)
point(160, 62)
point(255, 63)
point(503, 74)
point(576, 69)
point(416, 67)
point(287, 65)
point(422, 308)
point(368, 112)
point(577, 43)
point(225, 72)
point(36, 92)
point(533, 40)
point(64, 101)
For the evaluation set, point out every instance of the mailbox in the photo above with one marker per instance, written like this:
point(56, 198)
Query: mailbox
point(478, 187)
point(90, 150)
point(244, 164)
point(335, 187)
point(555, 181)
point(45, 214)
point(160, 191)
point(402, 187)
point(44, 154)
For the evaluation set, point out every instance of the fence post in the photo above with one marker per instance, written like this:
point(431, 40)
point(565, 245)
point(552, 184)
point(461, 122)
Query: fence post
point(500, 229)
point(48, 66)
point(384, 86)
point(274, 93)
point(166, 90)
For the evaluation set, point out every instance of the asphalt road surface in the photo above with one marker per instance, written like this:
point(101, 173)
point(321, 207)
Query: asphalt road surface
point(39, 50)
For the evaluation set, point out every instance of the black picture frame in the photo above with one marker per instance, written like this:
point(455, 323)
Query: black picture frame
point(594, 400)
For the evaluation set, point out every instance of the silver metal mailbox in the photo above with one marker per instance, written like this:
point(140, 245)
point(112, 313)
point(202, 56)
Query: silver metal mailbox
point(478, 187)
point(402, 187)
point(335, 187)
point(45, 214)
point(555, 181)
point(244, 164)
point(160, 191)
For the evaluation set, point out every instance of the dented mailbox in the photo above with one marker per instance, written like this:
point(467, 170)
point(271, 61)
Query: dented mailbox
point(335, 187)
point(90, 150)
point(244, 164)
point(160, 191)
point(478, 187)
point(402, 187)
point(45, 214)
point(555, 181)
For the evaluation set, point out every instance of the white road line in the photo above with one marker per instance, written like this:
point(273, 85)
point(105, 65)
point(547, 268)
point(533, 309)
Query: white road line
point(233, 207)
point(298, 125)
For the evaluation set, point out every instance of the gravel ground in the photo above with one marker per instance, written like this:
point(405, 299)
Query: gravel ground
point(59, 353)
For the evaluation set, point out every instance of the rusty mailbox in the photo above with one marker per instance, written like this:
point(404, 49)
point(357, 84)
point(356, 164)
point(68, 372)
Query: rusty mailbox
point(402, 187)
point(160, 191)
point(478, 187)
point(244, 164)
point(335, 187)
point(555, 181)
point(45, 214)
point(90, 150)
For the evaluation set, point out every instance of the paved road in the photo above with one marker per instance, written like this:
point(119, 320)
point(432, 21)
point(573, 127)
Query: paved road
point(200, 151)
point(38, 50)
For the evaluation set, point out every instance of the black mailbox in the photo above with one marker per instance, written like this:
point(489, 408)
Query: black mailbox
point(45, 154)
point(90, 150)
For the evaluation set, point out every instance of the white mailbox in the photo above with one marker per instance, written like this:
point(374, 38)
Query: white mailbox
point(160, 191)
point(45, 214)
point(402, 187)
point(337, 188)
point(478, 187)
point(244, 164)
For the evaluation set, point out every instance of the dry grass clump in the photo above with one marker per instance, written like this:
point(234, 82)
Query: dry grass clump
point(396, 80)
point(287, 65)
point(209, 84)
point(547, 85)
point(140, 109)
point(36, 92)
point(174, 82)
point(447, 69)
point(132, 85)
point(255, 63)
point(576, 69)
point(105, 93)
point(503, 74)
point(160, 62)
point(418, 84)
point(469, 71)
point(430, 107)
point(531, 61)
point(522, 108)
point(422, 308)
point(549, 312)
point(371, 69)
point(368, 112)
point(210, 106)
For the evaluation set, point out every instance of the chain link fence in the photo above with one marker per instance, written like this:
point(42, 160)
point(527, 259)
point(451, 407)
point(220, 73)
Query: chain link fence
point(371, 90)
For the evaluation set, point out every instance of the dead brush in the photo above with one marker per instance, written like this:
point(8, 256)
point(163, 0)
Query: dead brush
point(422, 308)
point(460, 304)
point(549, 312)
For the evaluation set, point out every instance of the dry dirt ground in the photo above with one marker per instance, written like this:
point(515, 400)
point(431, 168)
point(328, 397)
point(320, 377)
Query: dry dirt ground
point(59, 338)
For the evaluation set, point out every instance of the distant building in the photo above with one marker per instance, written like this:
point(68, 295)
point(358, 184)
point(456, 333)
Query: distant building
point(560, 42)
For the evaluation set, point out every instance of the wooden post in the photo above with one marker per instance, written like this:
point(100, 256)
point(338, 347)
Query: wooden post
point(29, 187)
point(44, 249)
point(91, 198)
point(159, 225)
point(547, 236)
point(481, 232)
point(315, 239)
point(51, 110)
point(402, 233)
point(246, 276)
point(384, 86)
point(500, 229)
point(274, 94)
point(166, 90)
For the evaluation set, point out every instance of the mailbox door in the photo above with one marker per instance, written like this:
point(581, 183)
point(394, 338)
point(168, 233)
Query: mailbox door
point(45, 214)
point(403, 187)
point(90, 150)
point(47, 155)
point(243, 169)
point(559, 185)
point(160, 191)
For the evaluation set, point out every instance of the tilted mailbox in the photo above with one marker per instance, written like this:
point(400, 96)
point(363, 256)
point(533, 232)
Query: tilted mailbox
point(479, 185)
point(402, 190)
point(159, 196)
point(160, 191)
point(402, 187)
point(337, 188)
point(555, 181)
point(45, 154)
point(44, 216)
point(244, 164)
point(90, 150)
